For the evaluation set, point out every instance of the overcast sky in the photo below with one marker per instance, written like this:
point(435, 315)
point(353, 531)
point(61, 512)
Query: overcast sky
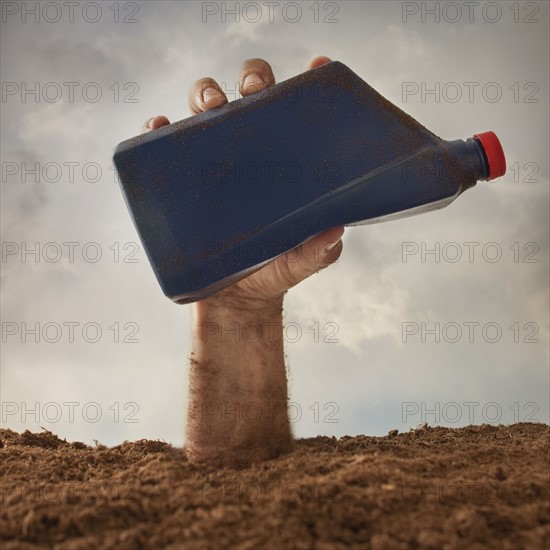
point(96, 80)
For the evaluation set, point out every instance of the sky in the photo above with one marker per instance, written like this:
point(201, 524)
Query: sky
point(439, 318)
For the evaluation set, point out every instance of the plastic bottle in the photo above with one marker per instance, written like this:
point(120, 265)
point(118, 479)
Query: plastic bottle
point(219, 194)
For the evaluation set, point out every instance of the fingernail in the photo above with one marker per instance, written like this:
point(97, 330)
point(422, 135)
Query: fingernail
point(210, 93)
point(149, 123)
point(253, 81)
point(330, 246)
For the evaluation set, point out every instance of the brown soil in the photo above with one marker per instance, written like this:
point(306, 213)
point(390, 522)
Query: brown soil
point(475, 487)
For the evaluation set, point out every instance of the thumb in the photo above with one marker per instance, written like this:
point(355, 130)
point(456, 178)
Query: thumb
point(313, 255)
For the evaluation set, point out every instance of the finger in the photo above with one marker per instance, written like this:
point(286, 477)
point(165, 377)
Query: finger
point(205, 94)
point(310, 257)
point(256, 74)
point(153, 123)
point(317, 61)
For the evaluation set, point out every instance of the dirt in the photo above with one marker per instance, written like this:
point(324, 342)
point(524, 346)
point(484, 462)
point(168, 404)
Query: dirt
point(430, 488)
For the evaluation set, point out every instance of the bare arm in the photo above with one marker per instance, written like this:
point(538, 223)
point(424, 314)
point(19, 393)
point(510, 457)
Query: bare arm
point(237, 385)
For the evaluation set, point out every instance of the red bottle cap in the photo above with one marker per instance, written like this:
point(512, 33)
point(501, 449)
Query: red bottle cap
point(494, 153)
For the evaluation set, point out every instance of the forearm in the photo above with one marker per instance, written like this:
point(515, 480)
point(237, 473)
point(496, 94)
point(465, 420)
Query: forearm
point(238, 388)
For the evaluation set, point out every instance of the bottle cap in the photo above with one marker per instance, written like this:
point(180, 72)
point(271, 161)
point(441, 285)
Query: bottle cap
point(494, 153)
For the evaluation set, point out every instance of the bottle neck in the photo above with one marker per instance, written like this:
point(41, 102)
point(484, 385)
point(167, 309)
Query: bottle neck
point(482, 157)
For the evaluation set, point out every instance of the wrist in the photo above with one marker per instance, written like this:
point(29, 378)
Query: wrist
point(231, 301)
point(222, 311)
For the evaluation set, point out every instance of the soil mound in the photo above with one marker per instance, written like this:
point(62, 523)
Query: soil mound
point(431, 488)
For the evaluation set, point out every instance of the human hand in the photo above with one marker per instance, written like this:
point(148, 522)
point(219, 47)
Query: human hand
point(268, 284)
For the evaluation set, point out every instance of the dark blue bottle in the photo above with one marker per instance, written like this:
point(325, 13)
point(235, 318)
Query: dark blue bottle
point(217, 195)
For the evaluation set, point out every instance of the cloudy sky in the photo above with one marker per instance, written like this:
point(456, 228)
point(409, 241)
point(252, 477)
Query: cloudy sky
point(91, 349)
